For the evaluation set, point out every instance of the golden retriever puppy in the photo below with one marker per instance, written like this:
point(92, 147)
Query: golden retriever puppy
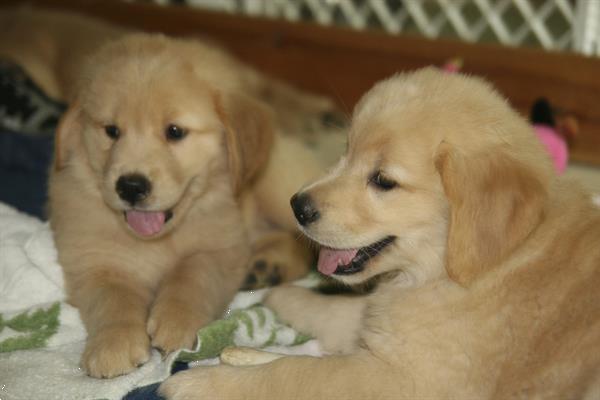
point(494, 262)
point(160, 165)
point(53, 46)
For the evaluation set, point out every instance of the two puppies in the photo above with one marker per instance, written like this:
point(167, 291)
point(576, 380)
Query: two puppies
point(493, 263)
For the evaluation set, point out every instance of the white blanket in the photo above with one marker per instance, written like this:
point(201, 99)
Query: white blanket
point(42, 337)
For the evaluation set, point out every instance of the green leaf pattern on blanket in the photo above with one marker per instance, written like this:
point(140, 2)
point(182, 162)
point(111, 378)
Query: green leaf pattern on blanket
point(29, 329)
point(255, 326)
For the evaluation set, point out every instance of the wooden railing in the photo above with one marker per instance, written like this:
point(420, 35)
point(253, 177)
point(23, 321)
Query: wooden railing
point(344, 63)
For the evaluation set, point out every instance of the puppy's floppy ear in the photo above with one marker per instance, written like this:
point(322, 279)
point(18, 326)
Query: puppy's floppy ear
point(248, 134)
point(495, 203)
point(67, 135)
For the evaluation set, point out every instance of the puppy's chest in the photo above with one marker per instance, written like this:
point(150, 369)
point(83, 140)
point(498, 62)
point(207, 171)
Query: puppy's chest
point(209, 229)
point(416, 318)
point(207, 238)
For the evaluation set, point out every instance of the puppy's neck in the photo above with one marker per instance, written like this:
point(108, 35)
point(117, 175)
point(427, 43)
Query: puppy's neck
point(426, 253)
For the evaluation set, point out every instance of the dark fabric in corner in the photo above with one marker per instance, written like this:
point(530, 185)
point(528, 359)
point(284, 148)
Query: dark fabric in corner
point(28, 119)
point(24, 164)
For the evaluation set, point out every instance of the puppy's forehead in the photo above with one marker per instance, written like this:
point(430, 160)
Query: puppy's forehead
point(390, 149)
point(124, 73)
point(387, 96)
point(393, 121)
point(428, 106)
point(396, 106)
point(134, 90)
point(402, 120)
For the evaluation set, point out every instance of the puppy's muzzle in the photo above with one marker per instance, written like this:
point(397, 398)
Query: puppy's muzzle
point(133, 188)
point(304, 209)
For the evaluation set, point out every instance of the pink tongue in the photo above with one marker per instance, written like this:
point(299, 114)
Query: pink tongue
point(329, 259)
point(145, 223)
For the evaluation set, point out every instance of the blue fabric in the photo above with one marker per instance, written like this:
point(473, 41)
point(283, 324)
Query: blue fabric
point(179, 366)
point(24, 164)
point(144, 393)
point(149, 392)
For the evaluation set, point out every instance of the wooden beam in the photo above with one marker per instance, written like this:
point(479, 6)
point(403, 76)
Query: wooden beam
point(344, 64)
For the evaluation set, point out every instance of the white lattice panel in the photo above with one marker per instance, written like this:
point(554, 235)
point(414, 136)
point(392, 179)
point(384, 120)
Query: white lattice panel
point(551, 24)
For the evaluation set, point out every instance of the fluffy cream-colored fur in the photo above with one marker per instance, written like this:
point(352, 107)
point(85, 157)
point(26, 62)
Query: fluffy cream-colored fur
point(134, 292)
point(497, 262)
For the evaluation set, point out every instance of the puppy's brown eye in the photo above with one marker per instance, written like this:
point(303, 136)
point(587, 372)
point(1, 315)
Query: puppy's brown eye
point(112, 131)
point(175, 133)
point(381, 182)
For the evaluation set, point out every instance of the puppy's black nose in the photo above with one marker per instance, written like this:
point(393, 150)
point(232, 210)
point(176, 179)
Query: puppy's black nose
point(304, 209)
point(133, 188)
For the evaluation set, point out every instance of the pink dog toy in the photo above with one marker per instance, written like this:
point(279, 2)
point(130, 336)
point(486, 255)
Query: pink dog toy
point(556, 146)
point(544, 125)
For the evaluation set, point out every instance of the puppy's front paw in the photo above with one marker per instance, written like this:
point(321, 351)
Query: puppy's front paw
point(173, 326)
point(243, 356)
point(115, 350)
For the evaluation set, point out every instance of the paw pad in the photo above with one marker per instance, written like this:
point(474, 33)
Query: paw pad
point(263, 274)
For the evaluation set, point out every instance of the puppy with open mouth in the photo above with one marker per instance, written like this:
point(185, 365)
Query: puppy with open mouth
point(161, 165)
point(493, 262)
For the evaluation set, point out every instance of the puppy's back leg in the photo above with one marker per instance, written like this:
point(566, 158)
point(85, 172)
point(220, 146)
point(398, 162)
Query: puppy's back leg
point(334, 320)
point(278, 257)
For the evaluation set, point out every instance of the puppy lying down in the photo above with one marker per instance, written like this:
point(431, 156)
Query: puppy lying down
point(493, 263)
point(170, 182)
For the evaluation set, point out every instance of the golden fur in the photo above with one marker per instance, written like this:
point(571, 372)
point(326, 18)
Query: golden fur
point(496, 263)
point(52, 45)
point(126, 286)
point(227, 182)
